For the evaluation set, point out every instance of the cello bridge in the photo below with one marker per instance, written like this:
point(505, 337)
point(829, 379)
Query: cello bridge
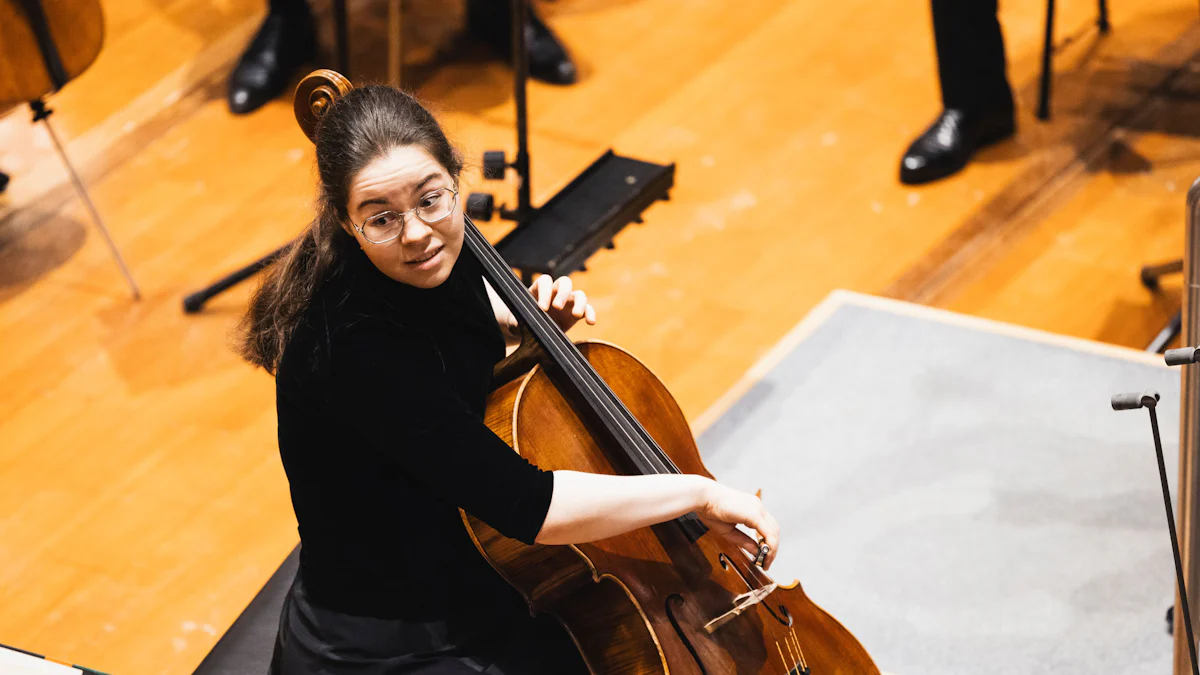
point(740, 604)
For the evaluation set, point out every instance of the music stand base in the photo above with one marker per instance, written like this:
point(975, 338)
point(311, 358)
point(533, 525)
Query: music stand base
point(194, 302)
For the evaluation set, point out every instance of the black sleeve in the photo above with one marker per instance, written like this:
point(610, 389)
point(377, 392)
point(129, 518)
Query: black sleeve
point(390, 385)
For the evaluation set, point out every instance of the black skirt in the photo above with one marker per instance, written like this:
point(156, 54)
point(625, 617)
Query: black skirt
point(316, 641)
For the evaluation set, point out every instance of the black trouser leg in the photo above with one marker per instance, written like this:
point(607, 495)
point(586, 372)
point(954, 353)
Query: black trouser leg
point(970, 54)
point(290, 7)
point(490, 18)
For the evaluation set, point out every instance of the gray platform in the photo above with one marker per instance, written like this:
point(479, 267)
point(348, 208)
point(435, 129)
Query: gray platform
point(962, 497)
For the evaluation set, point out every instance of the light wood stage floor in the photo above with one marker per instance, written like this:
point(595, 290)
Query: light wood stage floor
point(142, 502)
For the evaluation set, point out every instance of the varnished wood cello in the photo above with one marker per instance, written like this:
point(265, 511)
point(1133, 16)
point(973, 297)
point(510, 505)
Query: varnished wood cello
point(662, 599)
point(44, 44)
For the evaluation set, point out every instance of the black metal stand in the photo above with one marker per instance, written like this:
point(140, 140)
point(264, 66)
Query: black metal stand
point(584, 216)
point(341, 36)
point(520, 56)
point(1149, 400)
point(195, 302)
point(41, 113)
point(1150, 275)
point(1043, 108)
point(557, 238)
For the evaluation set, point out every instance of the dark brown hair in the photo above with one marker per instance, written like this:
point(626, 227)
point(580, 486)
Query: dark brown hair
point(367, 123)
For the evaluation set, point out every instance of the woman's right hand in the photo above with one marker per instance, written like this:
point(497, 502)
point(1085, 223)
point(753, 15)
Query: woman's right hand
point(724, 508)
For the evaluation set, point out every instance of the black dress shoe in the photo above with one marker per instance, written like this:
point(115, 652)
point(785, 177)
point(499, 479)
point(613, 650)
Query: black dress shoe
point(283, 43)
point(947, 145)
point(549, 61)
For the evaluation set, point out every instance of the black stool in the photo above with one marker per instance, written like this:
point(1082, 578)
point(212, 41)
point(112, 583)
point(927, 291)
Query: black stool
point(246, 648)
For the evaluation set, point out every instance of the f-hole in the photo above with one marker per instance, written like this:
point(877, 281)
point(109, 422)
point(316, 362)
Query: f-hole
point(786, 615)
point(672, 600)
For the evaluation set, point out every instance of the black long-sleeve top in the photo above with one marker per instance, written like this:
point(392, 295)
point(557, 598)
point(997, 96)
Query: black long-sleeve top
point(380, 396)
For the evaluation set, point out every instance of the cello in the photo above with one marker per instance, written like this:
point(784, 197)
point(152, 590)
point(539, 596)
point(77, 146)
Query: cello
point(661, 599)
point(44, 44)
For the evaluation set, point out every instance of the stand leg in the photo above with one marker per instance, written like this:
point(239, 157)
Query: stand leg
point(520, 10)
point(1151, 273)
point(40, 112)
point(1043, 109)
point(395, 43)
point(341, 37)
point(1102, 19)
point(195, 302)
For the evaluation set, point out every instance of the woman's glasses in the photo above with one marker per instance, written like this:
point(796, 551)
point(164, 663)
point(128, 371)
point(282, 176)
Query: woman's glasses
point(388, 225)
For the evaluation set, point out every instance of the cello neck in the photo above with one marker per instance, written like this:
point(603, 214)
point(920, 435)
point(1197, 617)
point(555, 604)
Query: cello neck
point(572, 372)
point(574, 375)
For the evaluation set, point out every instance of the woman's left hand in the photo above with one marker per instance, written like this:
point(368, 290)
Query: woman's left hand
point(564, 305)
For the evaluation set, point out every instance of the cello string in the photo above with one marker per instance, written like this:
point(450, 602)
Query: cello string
point(597, 390)
point(551, 336)
point(781, 658)
point(584, 376)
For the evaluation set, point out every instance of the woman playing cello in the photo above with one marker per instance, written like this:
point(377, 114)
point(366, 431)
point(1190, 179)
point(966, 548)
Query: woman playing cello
point(382, 336)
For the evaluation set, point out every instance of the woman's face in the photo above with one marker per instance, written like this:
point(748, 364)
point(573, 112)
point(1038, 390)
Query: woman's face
point(399, 181)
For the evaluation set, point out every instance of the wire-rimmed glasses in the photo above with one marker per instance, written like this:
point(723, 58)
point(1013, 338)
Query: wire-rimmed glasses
point(388, 225)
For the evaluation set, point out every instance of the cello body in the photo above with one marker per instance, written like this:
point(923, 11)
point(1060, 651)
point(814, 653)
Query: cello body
point(639, 602)
point(44, 44)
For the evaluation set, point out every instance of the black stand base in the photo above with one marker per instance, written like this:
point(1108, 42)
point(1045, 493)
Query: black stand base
point(559, 237)
point(1152, 273)
point(195, 302)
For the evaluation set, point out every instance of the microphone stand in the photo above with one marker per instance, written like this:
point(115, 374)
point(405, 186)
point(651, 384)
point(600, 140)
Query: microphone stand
point(1149, 400)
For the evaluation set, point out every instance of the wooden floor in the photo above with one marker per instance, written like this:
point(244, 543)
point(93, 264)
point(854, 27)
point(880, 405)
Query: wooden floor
point(142, 502)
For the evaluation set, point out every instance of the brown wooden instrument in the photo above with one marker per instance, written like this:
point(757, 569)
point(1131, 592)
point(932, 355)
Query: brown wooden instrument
point(661, 599)
point(44, 44)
